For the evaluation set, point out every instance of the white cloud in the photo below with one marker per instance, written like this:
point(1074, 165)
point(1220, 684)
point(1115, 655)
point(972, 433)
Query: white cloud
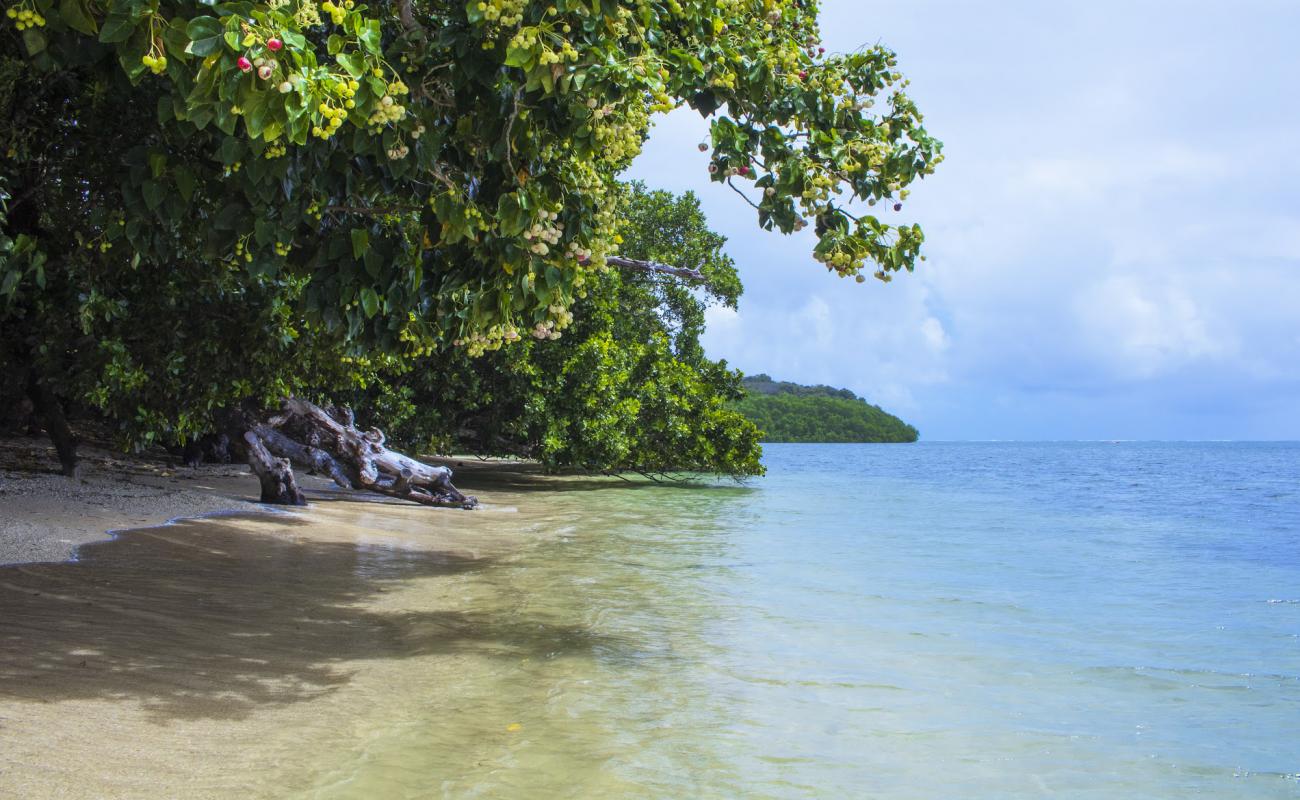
point(1117, 218)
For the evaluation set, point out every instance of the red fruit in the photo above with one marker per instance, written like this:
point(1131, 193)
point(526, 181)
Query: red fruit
point(743, 170)
point(821, 50)
point(803, 75)
point(274, 44)
point(244, 64)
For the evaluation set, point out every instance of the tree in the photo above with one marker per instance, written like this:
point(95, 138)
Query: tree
point(359, 179)
point(627, 387)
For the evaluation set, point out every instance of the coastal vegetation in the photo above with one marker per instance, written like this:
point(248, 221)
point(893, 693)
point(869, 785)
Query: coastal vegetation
point(212, 209)
point(789, 412)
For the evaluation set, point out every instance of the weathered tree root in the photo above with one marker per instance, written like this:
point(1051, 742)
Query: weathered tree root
point(331, 445)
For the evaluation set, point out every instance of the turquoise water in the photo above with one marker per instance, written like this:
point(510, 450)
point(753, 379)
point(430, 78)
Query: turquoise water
point(1007, 620)
point(936, 620)
point(877, 621)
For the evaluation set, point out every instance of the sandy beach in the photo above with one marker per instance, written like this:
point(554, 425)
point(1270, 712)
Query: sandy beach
point(212, 657)
point(45, 516)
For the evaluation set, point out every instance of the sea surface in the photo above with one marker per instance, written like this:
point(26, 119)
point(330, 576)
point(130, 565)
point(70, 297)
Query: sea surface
point(938, 620)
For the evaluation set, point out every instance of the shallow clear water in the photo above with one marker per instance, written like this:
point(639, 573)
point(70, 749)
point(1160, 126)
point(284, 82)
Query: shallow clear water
point(932, 620)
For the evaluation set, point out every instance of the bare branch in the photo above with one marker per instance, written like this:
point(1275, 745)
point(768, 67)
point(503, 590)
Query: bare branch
point(655, 268)
point(407, 15)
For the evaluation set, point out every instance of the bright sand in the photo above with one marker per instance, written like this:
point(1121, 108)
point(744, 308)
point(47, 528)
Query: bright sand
point(234, 657)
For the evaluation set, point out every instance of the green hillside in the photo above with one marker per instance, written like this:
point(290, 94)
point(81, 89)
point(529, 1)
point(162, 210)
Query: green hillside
point(790, 412)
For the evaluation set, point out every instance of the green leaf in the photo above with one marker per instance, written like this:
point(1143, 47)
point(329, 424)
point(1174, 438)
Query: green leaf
point(353, 63)
point(34, 41)
point(229, 150)
point(10, 281)
point(257, 110)
point(205, 35)
point(74, 15)
point(518, 56)
point(264, 231)
point(153, 194)
point(118, 27)
point(369, 301)
point(360, 242)
point(185, 182)
point(370, 37)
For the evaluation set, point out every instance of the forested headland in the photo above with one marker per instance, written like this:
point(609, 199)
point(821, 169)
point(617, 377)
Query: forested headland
point(790, 412)
point(265, 231)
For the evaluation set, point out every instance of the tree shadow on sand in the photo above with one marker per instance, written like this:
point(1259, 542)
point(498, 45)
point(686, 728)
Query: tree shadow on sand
point(201, 620)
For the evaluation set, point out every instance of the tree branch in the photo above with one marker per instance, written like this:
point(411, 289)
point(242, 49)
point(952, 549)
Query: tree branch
point(655, 268)
point(407, 15)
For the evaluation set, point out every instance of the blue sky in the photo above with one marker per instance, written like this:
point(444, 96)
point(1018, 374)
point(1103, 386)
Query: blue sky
point(1113, 240)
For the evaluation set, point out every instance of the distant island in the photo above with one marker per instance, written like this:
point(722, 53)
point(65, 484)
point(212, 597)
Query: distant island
point(790, 412)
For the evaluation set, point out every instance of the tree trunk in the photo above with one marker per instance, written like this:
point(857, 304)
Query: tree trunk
point(328, 443)
point(276, 475)
point(50, 412)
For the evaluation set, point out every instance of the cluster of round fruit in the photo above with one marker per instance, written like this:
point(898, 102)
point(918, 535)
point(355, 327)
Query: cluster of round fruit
point(25, 18)
point(621, 139)
point(577, 252)
point(337, 11)
point(334, 117)
point(243, 252)
point(494, 339)
point(839, 260)
point(398, 151)
point(730, 172)
point(547, 330)
point(724, 80)
point(156, 64)
point(102, 246)
point(565, 53)
point(275, 150)
point(545, 233)
point(504, 12)
point(314, 210)
point(233, 168)
point(386, 111)
point(282, 249)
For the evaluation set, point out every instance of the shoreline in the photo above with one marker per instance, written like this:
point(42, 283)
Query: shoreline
point(46, 517)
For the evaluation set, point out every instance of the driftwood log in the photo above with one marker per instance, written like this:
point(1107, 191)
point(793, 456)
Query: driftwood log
point(327, 442)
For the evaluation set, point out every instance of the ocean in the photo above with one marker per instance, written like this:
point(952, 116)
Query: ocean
point(973, 620)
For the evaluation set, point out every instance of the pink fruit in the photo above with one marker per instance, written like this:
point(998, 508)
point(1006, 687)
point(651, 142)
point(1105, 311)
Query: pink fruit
point(821, 50)
point(744, 170)
point(274, 44)
point(265, 71)
point(803, 75)
point(244, 64)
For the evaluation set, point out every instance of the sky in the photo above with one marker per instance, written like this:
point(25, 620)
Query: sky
point(1113, 240)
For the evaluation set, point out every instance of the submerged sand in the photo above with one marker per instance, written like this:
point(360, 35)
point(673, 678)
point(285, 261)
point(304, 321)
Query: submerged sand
point(227, 657)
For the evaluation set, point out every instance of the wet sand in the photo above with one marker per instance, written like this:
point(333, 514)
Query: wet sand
point(45, 516)
point(212, 658)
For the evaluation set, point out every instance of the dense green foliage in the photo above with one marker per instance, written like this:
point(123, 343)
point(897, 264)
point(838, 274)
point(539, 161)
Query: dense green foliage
point(207, 203)
point(789, 412)
point(626, 387)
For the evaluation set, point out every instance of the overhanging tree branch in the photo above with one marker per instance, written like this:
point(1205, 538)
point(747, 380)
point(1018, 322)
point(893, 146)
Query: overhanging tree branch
point(656, 268)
